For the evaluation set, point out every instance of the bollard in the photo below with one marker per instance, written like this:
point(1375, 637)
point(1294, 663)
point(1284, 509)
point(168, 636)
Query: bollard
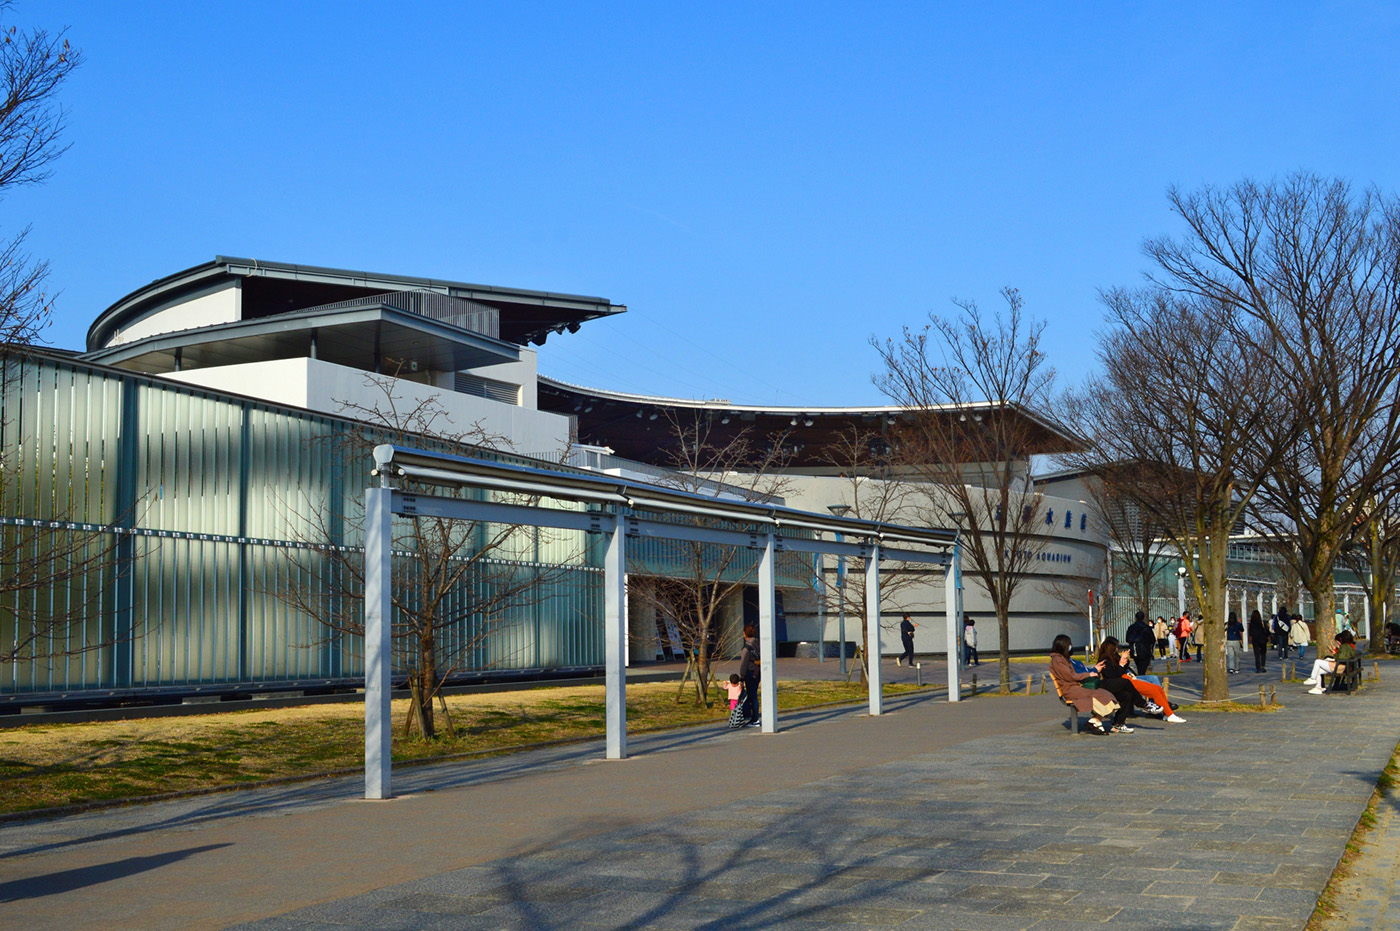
point(1044, 676)
point(1167, 690)
point(919, 673)
point(1378, 671)
point(1273, 699)
point(1283, 672)
point(1261, 696)
point(1028, 685)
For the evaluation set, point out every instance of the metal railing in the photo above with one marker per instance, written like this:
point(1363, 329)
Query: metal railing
point(457, 311)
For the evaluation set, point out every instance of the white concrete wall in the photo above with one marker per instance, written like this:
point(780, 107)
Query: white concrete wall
point(222, 305)
point(1038, 609)
point(326, 387)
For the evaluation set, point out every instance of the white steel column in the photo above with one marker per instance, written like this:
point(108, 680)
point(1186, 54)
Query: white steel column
point(1368, 618)
point(767, 642)
point(872, 623)
point(1244, 607)
point(379, 608)
point(954, 623)
point(615, 636)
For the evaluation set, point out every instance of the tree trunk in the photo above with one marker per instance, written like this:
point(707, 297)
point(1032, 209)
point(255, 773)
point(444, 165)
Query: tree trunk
point(1216, 680)
point(1324, 604)
point(427, 686)
point(1003, 650)
point(702, 669)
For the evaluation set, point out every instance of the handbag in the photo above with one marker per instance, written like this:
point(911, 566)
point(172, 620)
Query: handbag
point(737, 717)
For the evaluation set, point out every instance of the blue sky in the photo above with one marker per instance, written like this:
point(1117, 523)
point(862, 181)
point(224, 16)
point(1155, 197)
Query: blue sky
point(766, 186)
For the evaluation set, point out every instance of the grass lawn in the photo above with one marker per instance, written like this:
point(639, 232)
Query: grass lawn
point(43, 766)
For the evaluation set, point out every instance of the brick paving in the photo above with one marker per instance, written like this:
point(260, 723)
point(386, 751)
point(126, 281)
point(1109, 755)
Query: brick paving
point(981, 816)
point(1228, 822)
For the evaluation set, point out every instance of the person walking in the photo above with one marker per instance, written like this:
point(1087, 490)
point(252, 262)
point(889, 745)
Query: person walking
point(1299, 635)
point(969, 638)
point(1259, 639)
point(749, 672)
point(1183, 637)
point(1140, 642)
point(1278, 630)
point(1234, 642)
point(1198, 636)
point(906, 636)
point(1159, 632)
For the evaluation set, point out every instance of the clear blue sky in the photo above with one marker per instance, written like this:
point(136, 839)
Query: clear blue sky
point(764, 185)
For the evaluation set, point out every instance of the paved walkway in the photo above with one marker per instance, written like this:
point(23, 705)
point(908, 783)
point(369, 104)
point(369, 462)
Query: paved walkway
point(981, 816)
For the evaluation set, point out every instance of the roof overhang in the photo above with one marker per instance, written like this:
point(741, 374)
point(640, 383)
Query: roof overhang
point(362, 338)
point(638, 426)
point(526, 316)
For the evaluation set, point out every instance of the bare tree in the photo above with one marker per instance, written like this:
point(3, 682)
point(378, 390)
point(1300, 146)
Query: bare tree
point(51, 569)
point(969, 384)
point(1178, 423)
point(455, 585)
point(872, 490)
point(33, 67)
point(1135, 535)
point(693, 584)
point(1315, 267)
point(1374, 556)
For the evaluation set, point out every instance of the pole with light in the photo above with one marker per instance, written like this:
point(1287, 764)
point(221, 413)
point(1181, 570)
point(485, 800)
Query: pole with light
point(841, 510)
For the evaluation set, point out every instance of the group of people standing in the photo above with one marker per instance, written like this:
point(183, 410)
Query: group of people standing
point(1284, 633)
point(1177, 636)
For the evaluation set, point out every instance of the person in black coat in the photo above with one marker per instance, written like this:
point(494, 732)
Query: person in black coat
point(1112, 680)
point(749, 672)
point(1140, 641)
point(1259, 639)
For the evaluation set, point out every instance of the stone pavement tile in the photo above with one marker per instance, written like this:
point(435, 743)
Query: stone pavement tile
point(1258, 909)
point(1258, 923)
point(971, 878)
point(1161, 874)
point(1204, 890)
point(293, 924)
point(1094, 883)
point(1154, 920)
point(1297, 878)
point(1133, 901)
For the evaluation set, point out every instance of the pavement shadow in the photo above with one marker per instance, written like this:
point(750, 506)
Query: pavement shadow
point(36, 887)
point(735, 886)
point(183, 814)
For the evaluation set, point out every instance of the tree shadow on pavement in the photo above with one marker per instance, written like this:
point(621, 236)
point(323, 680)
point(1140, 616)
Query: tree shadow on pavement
point(36, 887)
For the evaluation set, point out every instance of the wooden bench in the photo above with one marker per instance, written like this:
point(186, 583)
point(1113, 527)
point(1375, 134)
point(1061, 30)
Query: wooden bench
point(1344, 677)
point(1073, 711)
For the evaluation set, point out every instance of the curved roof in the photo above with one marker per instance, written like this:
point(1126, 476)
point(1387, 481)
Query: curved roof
point(277, 287)
point(631, 423)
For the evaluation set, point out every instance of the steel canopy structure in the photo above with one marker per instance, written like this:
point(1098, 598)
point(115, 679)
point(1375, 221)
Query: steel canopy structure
point(620, 509)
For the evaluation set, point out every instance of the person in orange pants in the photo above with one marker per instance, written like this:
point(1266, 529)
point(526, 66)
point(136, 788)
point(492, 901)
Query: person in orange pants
point(1148, 690)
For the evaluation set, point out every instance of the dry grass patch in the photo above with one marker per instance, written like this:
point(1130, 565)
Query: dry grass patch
point(43, 766)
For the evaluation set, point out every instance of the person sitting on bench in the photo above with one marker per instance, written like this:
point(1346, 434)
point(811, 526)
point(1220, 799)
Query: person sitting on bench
point(1343, 651)
point(1096, 702)
point(1146, 686)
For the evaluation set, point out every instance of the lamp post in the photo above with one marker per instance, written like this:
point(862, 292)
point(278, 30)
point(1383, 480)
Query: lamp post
point(840, 510)
point(1180, 590)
